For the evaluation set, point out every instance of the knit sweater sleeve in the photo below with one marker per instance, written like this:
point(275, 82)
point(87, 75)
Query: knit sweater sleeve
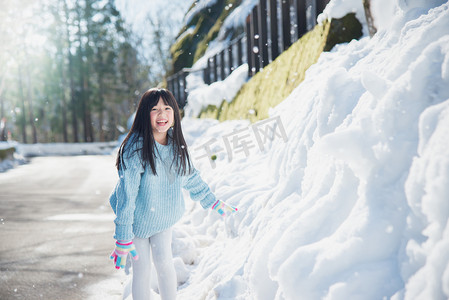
point(199, 190)
point(126, 193)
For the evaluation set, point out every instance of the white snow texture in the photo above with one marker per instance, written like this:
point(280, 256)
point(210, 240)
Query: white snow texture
point(355, 204)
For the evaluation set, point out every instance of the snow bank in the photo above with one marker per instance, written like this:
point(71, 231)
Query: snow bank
point(354, 205)
point(51, 149)
point(426, 267)
point(337, 9)
point(10, 161)
point(201, 94)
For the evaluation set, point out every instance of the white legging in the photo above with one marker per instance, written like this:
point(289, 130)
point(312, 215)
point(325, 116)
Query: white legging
point(160, 246)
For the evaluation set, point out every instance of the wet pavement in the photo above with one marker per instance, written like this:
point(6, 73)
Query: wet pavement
point(56, 229)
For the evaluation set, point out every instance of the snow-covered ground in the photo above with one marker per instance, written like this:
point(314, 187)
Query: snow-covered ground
point(23, 151)
point(52, 149)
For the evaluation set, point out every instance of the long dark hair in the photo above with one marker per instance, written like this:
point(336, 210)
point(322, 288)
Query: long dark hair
point(141, 129)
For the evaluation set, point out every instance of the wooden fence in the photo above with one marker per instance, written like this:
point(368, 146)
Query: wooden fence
point(271, 28)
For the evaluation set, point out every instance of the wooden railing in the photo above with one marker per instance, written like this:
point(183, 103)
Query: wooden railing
point(271, 28)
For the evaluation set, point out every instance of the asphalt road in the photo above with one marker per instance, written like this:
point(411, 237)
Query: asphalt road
point(56, 229)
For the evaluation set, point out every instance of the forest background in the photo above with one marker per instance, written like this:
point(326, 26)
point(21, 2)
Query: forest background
point(73, 71)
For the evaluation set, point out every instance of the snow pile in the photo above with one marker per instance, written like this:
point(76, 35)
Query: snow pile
point(202, 94)
point(9, 163)
point(52, 149)
point(6, 145)
point(337, 9)
point(354, 205)
point(12, 161)
point(427, 192)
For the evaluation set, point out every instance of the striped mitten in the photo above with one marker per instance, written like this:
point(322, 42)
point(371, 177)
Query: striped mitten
point(223, 209)
point(121, 251)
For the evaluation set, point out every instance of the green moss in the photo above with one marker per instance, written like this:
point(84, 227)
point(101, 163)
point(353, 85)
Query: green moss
point(180, 57)
point(343, 30)
point(183, 50)
point(213, 32)
point(277, 80)
point(7, 153)
point(210, 112)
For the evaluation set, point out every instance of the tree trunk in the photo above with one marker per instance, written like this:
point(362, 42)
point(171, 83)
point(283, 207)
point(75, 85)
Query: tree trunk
point(87, 73)
point(31, 109)
point(63, 105)
point(2, 86)
point(30, 99)
point(71, 79)
point(3, 134)
point(81, 80)
point(100, 126)
point(23, 119)
point(62, 73)
point(369, 17)
point(101, 107)
point(87, 107)
point(73, 100)
point(2, 108)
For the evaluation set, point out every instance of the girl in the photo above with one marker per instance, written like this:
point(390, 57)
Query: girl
point(153, 164)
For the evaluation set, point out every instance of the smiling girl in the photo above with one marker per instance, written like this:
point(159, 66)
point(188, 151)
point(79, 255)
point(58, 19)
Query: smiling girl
point(153, 165)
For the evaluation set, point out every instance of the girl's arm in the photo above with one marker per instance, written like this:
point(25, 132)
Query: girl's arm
point(199, 190)
point(126, 194)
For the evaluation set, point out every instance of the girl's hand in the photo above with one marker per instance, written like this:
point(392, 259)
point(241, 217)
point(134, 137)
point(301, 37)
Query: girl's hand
point(223, 209)
point(120, 253)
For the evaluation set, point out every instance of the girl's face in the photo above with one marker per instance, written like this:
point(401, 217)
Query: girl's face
point(162, 118)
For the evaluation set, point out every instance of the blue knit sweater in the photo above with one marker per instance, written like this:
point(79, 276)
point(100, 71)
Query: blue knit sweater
point(144, 203)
